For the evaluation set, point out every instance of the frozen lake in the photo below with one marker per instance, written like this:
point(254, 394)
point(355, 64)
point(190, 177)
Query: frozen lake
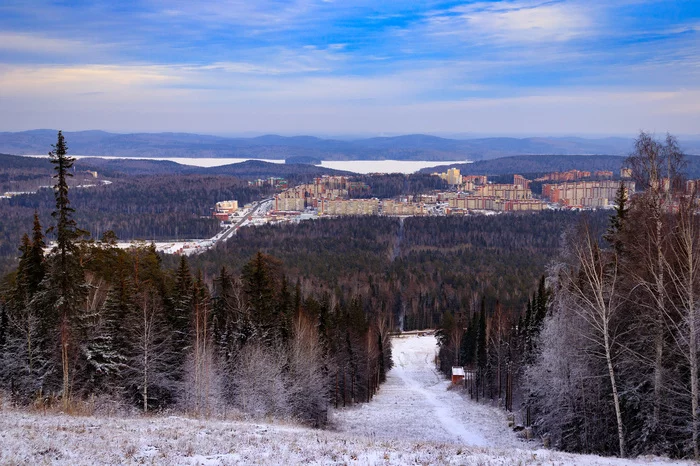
point(356, 166)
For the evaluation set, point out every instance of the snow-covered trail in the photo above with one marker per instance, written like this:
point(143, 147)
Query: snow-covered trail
point(414, 404)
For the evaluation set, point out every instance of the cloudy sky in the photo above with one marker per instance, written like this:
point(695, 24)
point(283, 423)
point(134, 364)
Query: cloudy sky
point(352, 67)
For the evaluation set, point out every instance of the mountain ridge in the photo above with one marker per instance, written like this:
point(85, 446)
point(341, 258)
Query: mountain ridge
point(272, 146)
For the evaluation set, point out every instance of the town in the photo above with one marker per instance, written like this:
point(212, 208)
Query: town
point(333, 196)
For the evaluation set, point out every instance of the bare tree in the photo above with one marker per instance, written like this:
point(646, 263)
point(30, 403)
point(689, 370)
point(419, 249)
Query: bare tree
point(308, 391)
point(656, 168)
point(259, 381)
point(150, 353)
point(592, 285)
point(684, 275)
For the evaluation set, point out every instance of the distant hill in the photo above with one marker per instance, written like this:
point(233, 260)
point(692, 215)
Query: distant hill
point(117, 167)
point(408, 147)
point(248, 169)
point(533, 164)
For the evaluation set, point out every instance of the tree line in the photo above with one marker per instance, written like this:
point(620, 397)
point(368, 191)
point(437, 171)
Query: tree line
point(88, 320)
point(604, 357)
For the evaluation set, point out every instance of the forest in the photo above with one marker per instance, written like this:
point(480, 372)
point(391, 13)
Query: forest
point(89, 325)
point(604, 358)
point(584, 324)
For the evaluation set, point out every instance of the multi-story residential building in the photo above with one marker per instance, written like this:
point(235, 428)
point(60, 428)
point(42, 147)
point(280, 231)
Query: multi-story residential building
point(521, 181)
point(467, 203)
point(585, 193)
point(348, 207)
point(603, 174)
point(571, 175)
point(504, 191)
point(289, 203)
point(390, 207)
point(476, 179)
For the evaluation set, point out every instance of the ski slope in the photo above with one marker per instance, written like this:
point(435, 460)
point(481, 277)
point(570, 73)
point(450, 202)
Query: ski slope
point(415, 403)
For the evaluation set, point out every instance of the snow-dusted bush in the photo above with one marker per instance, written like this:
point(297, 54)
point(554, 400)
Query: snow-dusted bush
point(259, 381)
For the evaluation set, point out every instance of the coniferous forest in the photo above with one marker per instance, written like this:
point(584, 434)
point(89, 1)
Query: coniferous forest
point(91, 324)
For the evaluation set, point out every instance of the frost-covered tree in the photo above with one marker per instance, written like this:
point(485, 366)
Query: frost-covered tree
point(148, 376)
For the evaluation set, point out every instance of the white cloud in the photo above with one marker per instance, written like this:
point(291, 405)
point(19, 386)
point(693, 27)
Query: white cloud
point(514, 21)
point(41, 45)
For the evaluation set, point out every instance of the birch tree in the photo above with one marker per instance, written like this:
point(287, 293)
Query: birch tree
point(595, 298)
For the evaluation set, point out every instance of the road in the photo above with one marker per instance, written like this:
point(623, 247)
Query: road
point(230, 231)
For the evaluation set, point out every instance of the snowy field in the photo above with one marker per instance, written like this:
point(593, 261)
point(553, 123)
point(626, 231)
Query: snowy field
point(413, 420)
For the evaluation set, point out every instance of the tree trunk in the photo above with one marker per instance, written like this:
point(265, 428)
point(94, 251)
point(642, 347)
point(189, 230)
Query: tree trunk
point(616, 398)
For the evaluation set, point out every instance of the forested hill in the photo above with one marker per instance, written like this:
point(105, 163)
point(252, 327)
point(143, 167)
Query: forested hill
point(406, 147)
point(115, 167)
point(247, 169)
point(8, 161)
point(423, 266)
point(549, 163)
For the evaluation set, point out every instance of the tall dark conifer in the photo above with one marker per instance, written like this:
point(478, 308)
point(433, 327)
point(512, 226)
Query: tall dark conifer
point(35, 260)
point(617, 221)
point(66, 285)
point(481, 337)
point(181, 316)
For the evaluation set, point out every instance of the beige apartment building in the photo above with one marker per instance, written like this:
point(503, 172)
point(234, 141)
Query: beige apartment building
point(348, 207)
point(390, 207)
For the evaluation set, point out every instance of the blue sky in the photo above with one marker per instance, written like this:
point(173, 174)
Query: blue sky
point(352, 67)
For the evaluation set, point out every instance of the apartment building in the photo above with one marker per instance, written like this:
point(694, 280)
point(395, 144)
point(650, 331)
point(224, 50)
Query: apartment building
point(467, 203)
point(504, 191)
point(585, 193)
point(390, 207)
point(289, 203)
point(571, 175)
point(348, 207)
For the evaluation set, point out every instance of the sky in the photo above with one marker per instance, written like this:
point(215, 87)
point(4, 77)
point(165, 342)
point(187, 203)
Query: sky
point(361, 67)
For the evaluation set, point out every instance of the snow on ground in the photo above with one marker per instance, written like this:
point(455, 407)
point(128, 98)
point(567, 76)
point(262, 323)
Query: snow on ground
point(413, 419)
point(414, 403)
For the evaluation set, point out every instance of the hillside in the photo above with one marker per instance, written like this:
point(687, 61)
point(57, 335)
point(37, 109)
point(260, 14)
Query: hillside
point(407, 147)
point(114, 167)
point(539, 164)
point(247, 169)
point(414, 419)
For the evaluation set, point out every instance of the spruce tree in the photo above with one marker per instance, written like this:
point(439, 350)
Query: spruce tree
point(617, 221)
point(65, 291)
point(35, 260)
point(181, 315)
point(481, 337)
